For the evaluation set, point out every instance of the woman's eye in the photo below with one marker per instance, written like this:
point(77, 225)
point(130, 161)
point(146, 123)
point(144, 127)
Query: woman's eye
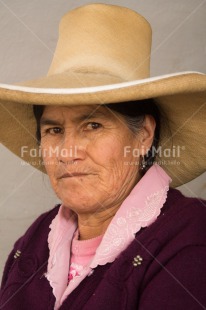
point(54, 131)
point(93, 126)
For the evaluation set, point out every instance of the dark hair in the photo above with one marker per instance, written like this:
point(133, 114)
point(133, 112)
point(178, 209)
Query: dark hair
point(38, 111)
point(134, 114)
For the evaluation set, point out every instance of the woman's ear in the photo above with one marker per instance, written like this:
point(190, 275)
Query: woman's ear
point(146, 136)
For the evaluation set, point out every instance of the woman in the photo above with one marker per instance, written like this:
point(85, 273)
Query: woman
point(121, 239)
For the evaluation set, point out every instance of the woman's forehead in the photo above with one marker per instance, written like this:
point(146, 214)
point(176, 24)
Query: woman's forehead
point(77, 113)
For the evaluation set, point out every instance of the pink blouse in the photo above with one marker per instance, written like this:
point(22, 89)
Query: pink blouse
point(82, 252)
point(139, 209)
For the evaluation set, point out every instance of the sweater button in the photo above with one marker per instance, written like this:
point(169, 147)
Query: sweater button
point(17, 254)
point(137, 261)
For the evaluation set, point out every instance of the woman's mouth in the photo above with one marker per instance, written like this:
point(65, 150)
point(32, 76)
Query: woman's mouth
point(72, 175)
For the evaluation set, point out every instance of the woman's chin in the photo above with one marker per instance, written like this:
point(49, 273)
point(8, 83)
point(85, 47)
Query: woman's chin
point(80, 203)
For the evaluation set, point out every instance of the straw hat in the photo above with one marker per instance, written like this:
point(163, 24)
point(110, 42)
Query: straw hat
point(103, 56)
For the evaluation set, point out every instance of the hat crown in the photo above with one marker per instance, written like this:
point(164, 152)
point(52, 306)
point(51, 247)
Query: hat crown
point(103, 39)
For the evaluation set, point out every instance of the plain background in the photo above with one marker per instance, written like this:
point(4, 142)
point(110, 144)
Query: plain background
point(28, 36)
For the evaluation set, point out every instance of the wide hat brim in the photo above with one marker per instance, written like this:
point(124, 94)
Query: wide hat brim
point(181, 97)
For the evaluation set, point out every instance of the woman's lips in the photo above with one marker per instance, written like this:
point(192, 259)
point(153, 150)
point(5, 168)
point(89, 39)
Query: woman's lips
point(72, 174)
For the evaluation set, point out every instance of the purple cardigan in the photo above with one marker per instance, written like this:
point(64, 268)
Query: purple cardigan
point(171, 275)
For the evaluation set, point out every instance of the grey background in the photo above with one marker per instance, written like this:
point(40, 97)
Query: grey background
point(28, 36)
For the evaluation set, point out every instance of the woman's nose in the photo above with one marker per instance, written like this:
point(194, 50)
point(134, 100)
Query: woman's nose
point(71, 148)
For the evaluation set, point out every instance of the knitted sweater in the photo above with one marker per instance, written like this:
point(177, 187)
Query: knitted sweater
point(163, 268)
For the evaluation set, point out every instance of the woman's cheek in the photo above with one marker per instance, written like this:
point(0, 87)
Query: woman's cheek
point(50, 163)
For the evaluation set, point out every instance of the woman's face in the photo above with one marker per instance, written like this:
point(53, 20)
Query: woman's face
point(86, 151)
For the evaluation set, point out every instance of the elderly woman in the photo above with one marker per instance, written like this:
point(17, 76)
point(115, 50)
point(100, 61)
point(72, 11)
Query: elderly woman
point(121, 239)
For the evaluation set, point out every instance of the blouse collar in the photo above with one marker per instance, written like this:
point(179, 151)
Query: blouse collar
point(139, 209)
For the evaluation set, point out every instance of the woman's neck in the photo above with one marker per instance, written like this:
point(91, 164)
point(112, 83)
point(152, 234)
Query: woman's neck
point(93, 225)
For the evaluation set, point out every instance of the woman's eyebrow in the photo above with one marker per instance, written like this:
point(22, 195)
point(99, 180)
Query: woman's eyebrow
point(47, 121)
point(89, 116)
point(79, 118)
